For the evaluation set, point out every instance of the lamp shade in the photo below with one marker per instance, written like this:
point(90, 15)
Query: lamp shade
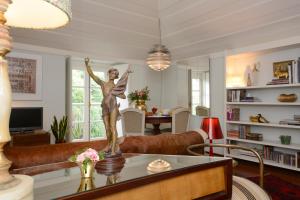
point(159, 58)
point(38, 14)
point(211, 126)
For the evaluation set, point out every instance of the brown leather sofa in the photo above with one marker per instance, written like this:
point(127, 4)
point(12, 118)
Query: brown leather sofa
point(36, 159)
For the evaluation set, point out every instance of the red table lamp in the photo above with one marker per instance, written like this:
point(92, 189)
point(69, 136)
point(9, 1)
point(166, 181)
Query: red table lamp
point(213, 129)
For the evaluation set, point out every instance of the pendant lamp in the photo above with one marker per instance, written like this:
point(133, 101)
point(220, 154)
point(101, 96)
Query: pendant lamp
point(159, 57)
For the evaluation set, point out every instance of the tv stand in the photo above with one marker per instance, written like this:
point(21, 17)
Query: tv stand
point(31, 138)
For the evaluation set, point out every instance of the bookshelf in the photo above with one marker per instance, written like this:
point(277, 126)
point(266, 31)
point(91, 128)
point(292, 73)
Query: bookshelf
point(264, 101)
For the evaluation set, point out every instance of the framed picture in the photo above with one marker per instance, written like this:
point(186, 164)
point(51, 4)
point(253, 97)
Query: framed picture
point(281, 69)
point(25, 74)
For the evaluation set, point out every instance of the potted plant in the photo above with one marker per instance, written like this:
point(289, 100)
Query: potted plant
point(59, 129)
point(140, 98)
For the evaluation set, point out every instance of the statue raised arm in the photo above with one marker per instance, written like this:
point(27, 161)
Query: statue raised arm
point(91, 73)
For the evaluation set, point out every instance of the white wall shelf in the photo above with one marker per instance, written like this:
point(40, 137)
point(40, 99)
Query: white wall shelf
point(268, 143)
point(268, 162)
point(264, 103)
point(237, 73)
point(264, 87)
point(264, 124)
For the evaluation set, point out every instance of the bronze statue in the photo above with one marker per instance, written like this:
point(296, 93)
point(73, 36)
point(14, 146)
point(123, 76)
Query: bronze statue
point(110, 108)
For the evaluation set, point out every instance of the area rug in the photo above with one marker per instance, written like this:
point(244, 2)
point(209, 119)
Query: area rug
point(279, 189)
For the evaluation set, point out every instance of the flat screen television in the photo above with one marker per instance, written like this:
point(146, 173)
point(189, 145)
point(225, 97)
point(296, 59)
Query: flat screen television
point(26, 119)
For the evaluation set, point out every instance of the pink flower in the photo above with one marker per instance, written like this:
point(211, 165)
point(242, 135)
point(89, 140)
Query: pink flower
point(80, 158)
point(88, 154)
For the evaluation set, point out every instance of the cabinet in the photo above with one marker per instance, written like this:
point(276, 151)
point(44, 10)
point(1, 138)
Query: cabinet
point(263, 100)
point(30, 139)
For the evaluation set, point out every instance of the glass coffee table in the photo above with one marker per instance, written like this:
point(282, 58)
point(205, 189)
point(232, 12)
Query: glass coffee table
point(188, 177)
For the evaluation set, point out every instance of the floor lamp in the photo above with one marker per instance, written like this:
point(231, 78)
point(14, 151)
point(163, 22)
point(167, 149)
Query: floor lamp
point(211, 126)
point(33, 14)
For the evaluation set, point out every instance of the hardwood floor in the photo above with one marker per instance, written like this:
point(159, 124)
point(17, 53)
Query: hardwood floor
point(250, 169)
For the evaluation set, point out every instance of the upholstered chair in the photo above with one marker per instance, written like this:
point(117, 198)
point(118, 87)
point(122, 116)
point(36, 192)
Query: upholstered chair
point(133, 121)
point(180, 120)
point(202, 111)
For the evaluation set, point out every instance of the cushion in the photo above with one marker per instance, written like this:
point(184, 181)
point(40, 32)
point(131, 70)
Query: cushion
point(243, 189)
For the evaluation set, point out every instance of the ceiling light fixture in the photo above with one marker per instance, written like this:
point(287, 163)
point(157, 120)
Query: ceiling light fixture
point(159, 57)
point(38, 14)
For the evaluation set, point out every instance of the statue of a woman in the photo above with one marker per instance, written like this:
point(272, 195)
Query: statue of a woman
point(110, 108)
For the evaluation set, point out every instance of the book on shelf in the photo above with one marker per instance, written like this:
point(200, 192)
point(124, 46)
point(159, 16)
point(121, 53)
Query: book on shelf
point(298, 160)
point(243, 130)
point(248, 99)
point(254, 136)
point(278, 81)
point(290, 122)
point(233, 114)
point(233, 133)
point(249, 136)
point(298, 70)
point(297, 117)
point(279, 157)
point(235, 95)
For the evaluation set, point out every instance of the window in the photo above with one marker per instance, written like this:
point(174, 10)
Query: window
point(86, 108)
point(200, 89)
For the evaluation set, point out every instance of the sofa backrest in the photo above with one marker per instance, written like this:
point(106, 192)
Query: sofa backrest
point(23, 157)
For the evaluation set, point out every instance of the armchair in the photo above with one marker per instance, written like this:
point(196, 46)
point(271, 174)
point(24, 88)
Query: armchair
point(242, 186)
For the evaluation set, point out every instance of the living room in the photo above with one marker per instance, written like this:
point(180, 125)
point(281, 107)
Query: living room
point(190, 72)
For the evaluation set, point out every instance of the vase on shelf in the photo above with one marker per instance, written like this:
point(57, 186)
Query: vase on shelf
point(87, 169)
point(141, 104)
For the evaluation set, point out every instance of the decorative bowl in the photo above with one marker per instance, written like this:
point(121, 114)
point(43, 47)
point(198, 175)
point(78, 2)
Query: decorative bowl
point(287, 97)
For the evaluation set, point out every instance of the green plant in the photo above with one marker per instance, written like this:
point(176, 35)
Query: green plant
point(77, 131)
point(59, 129)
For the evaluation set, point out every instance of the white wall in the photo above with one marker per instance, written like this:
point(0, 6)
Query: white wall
point(143, 76)
point(53, 88)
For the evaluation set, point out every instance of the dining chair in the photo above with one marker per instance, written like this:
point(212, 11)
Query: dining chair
point(202, 111)
point(133, 121)
point(180, 120)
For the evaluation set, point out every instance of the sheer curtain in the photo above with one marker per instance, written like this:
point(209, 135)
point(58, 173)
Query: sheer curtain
point(199, 87)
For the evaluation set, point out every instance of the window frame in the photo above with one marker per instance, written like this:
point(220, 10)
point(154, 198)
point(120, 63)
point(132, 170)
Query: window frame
point(86, 104)
point(204, 92)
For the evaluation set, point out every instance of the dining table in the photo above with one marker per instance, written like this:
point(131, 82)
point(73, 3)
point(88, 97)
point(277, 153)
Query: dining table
point(156, 120)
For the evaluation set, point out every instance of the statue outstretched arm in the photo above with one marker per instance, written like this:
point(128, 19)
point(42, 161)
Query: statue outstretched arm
point(122, 96)
point(91, 73)
point(120, 87)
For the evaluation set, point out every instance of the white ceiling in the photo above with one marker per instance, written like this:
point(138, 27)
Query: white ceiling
point(127, 29)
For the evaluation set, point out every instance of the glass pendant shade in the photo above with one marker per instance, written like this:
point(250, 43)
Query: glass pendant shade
point(38, 14)
point(159, 58)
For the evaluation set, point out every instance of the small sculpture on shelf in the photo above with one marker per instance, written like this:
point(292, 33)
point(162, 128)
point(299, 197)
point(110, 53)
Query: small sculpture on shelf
point(255, 73)
point(248, 75)
point(258, 119)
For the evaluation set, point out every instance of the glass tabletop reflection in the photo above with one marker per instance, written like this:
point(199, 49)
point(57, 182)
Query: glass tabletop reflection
point(66, 182)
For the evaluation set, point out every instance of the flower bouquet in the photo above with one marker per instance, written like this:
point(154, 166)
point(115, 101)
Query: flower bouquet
point(87, 159)
point(143, 94)
point(139, 97)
